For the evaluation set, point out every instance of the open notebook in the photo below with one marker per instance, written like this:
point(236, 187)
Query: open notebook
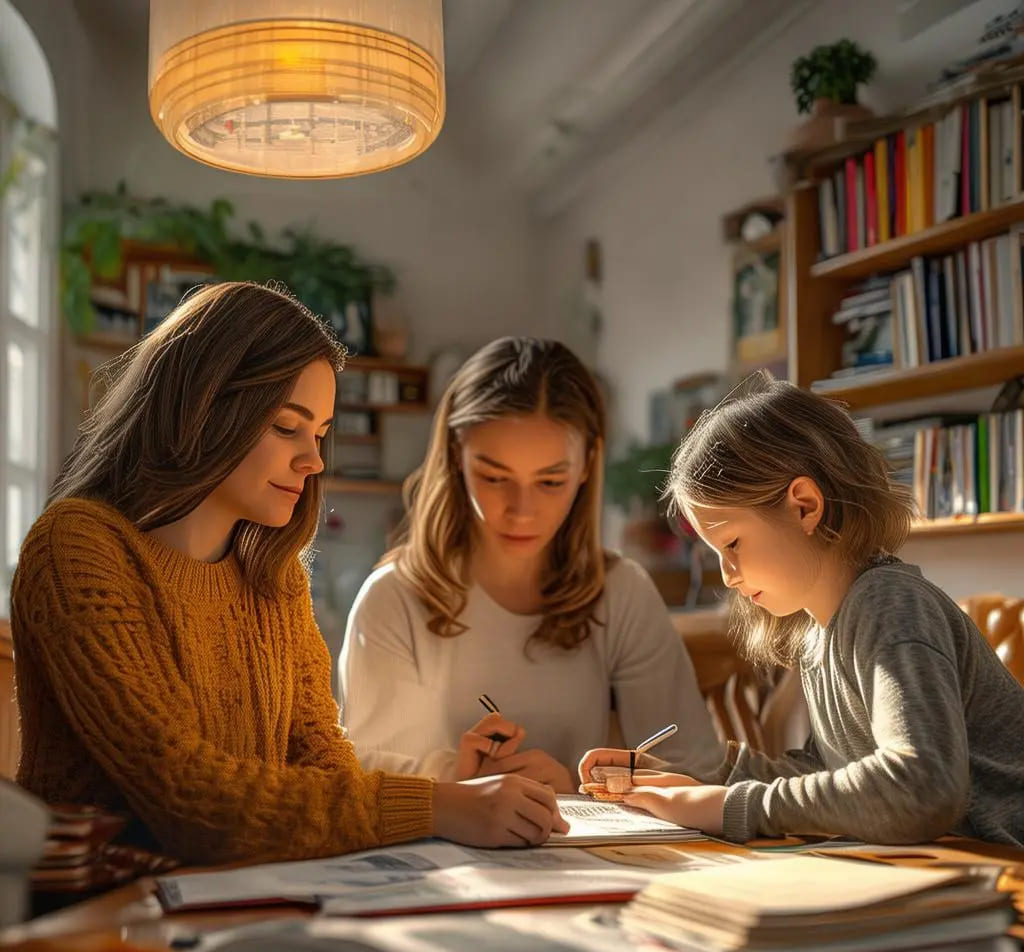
point(597, 822)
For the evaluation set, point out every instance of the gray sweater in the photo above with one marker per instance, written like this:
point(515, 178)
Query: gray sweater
point(917, 729)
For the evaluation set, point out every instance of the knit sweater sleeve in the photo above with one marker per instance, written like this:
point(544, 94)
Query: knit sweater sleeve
point(899, 687)
point(112, 667)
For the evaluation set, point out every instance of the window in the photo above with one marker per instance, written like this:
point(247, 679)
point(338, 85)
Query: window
point(28, 332)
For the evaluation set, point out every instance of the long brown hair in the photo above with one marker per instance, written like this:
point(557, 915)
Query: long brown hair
point(512, 376)
point(747, 451)
point(188, 402)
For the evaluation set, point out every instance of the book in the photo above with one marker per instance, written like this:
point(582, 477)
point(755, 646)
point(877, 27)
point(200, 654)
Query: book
point(428, 873)
point(819, 903)
point(482, 886)
point(594, 822)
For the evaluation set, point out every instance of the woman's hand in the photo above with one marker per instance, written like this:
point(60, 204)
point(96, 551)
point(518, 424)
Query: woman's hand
point(508, 810)
point(679, 799)
point(478, 744)
point(535, 764)
point(610, 757)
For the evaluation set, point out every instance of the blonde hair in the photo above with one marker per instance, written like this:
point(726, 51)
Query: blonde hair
point(511, 376)
point(185, 406)
point(746, 452)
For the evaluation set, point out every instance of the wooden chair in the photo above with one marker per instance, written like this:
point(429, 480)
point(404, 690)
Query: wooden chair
point(1000, 619)
point(765, 709)
point(10, 745)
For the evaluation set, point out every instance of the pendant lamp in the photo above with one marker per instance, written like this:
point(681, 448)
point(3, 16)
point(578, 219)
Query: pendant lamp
point(297, 88)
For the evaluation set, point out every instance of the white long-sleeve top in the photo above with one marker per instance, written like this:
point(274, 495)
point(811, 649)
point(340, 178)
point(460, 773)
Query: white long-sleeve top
point(407, 695)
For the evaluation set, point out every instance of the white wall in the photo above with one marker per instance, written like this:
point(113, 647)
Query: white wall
point(656, 207)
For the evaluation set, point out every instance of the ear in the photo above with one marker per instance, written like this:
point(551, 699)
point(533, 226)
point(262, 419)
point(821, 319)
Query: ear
point(805, 500)
point(588, 463)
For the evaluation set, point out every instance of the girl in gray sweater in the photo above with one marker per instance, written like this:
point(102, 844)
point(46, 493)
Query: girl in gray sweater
point(917, 729)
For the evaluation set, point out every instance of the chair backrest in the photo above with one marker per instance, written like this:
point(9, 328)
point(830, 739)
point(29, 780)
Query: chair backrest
point(10, 745)
point(766, 709)
point(1000, 618)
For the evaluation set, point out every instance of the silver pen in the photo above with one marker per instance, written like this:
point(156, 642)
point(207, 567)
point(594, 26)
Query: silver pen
point(656, 738)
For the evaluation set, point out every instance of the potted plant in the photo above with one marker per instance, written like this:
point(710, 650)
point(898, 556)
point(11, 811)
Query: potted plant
point(322, 273)
point(825, 84)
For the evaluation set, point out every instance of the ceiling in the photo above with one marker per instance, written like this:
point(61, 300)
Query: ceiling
point(538, 89)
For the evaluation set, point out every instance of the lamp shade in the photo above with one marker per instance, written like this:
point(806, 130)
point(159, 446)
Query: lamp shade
point(297, 88)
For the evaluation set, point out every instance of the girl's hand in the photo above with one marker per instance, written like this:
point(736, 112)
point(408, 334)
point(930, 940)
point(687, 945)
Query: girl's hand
point(610, 757)
point(496, 811)
point(535, 764)
point(680, 800)
point(478, 744)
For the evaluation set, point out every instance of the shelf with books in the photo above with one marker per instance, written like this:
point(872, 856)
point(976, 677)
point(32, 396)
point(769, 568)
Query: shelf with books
point(927, 210)
point(385, 365)
point(916, 295)
point(987, 522)
point(101, 340)
point(897, 253)
point(935, 346)
point(989, 368)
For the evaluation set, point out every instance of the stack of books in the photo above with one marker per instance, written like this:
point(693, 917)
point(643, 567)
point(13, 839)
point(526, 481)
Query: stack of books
point(81, 854)
point(822, 903)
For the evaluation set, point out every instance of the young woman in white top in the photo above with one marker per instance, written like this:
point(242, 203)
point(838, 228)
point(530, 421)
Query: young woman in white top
point(499, 584)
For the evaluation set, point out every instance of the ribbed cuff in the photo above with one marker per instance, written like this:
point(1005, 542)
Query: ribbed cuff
point(406, 808)
point(742, 809)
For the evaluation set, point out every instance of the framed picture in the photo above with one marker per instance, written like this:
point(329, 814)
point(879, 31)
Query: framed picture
point(353, 325)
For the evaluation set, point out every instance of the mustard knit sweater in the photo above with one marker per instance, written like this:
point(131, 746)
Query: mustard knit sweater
point(156, 683)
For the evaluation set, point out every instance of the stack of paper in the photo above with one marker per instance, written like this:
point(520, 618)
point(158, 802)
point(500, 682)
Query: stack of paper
point(813, 902)
point(596, 822)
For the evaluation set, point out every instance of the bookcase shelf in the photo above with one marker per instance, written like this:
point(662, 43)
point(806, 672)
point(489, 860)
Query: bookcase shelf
point(356, 362)
point(988, 368)
point(943, 450)
point(98, 340)
point(967, 525)
point(939, 239)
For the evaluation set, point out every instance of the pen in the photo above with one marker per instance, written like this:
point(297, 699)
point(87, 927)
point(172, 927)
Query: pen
point(492, 708)
point(656, 738)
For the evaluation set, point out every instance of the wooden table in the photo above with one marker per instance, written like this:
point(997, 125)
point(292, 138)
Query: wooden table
point(133, 914)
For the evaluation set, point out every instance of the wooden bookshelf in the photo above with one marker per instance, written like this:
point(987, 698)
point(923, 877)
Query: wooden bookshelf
point(368, 364)
point(940, 239)
point(964, 525)
point(930, 380)
point(815, 289)
point(115, 343)
point(339, 484)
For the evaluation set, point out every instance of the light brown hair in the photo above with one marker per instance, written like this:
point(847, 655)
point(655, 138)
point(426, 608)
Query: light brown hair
point(745, 453)
point(512, 376)
point(185, 406)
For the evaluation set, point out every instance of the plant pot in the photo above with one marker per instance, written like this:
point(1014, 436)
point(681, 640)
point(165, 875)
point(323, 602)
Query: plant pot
point(826, 125)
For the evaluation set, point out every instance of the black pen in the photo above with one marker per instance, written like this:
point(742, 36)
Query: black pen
point(492, 708)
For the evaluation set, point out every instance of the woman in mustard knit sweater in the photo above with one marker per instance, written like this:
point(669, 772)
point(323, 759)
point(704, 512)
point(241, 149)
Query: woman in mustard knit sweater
point(167, 659)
